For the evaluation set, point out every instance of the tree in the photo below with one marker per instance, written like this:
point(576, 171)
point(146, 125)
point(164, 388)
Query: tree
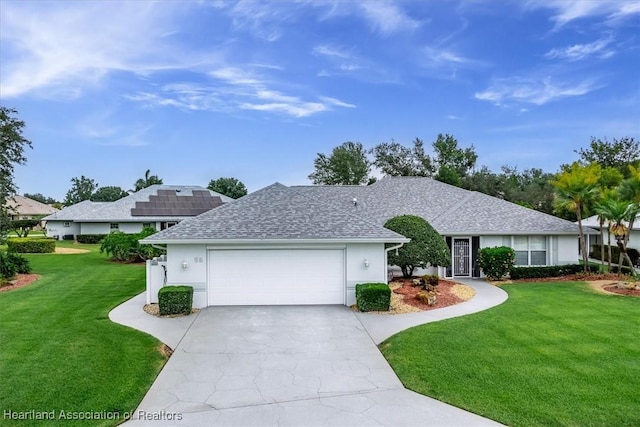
point(81, 189)
point(486, 182)
point(603, 208)
point(12, 145)
point(394, 159)
point(629, 190)
point(426, 248)
point(147, 181)
point(40, 198)
point(576, 190)
point(108, 194)
point(618, 153)
point(22, 227)
point(452, 158)
point(620, 214)
point(346, 165)
point(230, 187)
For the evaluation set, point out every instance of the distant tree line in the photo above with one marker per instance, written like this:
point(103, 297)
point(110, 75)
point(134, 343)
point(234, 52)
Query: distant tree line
point(351, 164)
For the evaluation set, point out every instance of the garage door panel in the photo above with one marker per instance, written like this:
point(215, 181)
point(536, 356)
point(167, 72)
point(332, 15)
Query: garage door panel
point(276, 277)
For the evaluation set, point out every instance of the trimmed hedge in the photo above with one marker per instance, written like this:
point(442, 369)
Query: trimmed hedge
point(175, 300)
point(373, 297)
point(90, 238)
point(26, 245)
point(516, 273)
point(615, 253)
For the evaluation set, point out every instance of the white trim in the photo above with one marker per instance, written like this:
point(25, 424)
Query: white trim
point(224, 242)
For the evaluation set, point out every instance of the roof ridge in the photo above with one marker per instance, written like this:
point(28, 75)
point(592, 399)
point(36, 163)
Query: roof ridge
point(449, 211)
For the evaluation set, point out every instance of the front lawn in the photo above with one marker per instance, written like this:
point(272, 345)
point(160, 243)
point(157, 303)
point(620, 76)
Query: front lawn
point(58, 348)
point(554, 354)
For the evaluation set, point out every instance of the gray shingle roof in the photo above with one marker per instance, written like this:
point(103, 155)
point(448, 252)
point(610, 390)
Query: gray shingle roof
point(74, 211)
point(280, 213)
point(450, 210)
point(120, 210)
point(326, 212)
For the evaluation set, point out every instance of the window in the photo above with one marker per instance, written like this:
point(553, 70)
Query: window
point(165, 225)
point(114, 226)
point(530, 250)
point(66, 224)
point(149, 225)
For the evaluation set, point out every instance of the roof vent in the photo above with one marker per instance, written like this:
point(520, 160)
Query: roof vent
point(355, 202)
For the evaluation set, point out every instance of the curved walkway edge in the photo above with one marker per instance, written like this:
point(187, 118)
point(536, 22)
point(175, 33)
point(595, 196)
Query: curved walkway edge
point(382, 326)
point(169, 330)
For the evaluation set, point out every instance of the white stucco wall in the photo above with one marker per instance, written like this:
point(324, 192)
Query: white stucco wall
point(94, 228)
point(565, 250)
point(130, 227)
point(194, 275)
point(357, 272)
point(196, 272)
point(57, 228)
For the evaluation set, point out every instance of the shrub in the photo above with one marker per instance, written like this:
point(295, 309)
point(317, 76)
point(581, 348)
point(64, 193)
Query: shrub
point(7, 268)
point(426, 247)
point(431, 279)
point(373, 297)
point(90, 238)
point(615, 254)
point(125, 247)
point(41, 245)
point(175, 299)
point(517, 273)
point(495, 262)
point(11, 263)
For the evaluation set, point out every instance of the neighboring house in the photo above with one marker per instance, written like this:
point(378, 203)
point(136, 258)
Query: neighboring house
point(594, 239)
point(157, 206)
point(313, 244)
point(20, 207)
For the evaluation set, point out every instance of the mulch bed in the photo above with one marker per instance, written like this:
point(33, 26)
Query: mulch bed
point(579, 277)
point(445, 296)
point(20, 281)
point(615, 290)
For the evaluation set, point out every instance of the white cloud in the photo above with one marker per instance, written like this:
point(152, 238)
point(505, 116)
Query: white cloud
point(65, 49)
point(532, 91)
point(232, 89)
point(566, 11)
point(581, 51)
point(441, 56)
point(386, 17)
point(331, 51)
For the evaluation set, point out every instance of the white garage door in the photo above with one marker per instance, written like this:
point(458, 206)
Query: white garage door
point(276, 277)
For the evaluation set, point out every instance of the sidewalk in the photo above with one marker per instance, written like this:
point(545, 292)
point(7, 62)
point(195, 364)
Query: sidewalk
point(381, 326)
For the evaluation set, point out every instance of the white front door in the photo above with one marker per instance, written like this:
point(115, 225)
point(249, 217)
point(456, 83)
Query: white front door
point(276, 277)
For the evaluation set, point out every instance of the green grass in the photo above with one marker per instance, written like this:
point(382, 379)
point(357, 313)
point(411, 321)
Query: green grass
point(58, 348)
point(554, 354)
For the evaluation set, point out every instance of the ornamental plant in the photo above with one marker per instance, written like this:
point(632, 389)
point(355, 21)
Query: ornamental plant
point(426, 248)
point(496, 262)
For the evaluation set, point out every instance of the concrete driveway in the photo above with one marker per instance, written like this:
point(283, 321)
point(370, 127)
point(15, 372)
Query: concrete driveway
point(285, 366)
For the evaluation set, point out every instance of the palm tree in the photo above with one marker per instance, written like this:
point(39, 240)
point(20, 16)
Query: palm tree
point(629, 190)
point(147, 181)
point(576, 190)
point(620, 214)
point(601, 209)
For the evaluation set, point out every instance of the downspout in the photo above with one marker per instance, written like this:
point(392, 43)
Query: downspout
point(386, 262)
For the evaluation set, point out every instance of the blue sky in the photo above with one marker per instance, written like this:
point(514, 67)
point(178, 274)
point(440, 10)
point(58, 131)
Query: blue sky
point(196, 90)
